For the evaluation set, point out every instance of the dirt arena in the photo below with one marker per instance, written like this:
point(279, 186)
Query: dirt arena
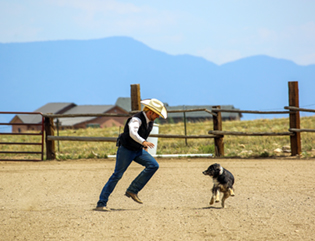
point(53, 200)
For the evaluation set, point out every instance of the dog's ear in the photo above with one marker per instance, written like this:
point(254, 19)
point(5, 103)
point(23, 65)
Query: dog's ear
point(221, 169)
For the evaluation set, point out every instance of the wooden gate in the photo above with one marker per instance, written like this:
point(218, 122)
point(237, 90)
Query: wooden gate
point(23, 143)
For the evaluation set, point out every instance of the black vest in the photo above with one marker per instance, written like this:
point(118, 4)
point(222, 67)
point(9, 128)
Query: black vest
point(144, 131)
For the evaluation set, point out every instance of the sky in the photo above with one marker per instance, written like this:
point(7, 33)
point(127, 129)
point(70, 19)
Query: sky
point(219, 31)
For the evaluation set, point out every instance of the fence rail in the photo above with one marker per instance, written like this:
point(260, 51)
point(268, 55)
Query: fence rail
point(301, 130)
point(114, 139)
point(194, 110)
point(81, 138)
point(184, 111)
point(298, 109)
point(86, 115)
point(235, 133)
point(184, 136)
point(252, 111)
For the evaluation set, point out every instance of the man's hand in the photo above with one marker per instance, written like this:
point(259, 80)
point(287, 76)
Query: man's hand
point(147, 144)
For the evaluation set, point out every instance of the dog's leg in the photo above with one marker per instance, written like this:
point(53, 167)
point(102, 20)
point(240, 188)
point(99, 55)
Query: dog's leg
point(231, 192)
point(217, 196)
point(211, 200)
point(225, 196)
point(214, 192)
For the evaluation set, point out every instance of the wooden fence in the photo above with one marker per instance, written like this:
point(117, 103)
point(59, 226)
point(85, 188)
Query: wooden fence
point(217, 133)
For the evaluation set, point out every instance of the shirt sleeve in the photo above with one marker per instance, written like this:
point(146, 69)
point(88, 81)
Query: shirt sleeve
point(134, 125)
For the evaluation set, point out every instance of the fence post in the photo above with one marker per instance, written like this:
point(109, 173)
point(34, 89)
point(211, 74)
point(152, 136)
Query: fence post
point(185, 127)
point(217, 126)
point(294, 118)
point(135, 97)
point(50, 145)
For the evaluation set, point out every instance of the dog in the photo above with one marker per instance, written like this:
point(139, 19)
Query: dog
point(223, 181)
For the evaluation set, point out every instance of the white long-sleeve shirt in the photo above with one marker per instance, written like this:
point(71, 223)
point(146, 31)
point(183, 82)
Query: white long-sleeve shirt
point(134, 125)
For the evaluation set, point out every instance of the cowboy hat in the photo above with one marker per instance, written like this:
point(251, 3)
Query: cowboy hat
point(156, 106)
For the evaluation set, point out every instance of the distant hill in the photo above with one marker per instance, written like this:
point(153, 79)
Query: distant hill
point(99, 71)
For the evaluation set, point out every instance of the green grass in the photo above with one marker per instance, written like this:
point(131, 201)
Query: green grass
point(234, 146)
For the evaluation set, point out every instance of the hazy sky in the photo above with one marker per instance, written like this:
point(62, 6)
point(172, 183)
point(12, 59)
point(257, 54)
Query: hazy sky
point(220, 31)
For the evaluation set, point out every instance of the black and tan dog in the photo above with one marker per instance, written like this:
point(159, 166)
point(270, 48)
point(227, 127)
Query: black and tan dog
point(223, 181)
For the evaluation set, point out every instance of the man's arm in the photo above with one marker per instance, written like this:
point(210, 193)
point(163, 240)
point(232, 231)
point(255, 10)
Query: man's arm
point(134, 125)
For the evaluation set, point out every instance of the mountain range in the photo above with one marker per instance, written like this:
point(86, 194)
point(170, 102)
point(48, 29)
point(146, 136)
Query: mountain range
point(101, 70)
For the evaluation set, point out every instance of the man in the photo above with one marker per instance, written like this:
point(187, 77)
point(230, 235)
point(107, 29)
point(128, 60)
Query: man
point(132, 147)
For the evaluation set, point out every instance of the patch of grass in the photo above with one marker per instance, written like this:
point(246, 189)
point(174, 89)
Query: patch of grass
point(206, 149)
point(265, 154)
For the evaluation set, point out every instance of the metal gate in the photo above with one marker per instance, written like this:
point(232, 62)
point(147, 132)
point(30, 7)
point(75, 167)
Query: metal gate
point(40, 132)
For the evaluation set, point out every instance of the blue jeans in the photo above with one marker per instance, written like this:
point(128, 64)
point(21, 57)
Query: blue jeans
point(123, 159)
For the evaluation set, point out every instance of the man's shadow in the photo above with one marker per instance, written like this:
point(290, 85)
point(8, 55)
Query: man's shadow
point(114, 210)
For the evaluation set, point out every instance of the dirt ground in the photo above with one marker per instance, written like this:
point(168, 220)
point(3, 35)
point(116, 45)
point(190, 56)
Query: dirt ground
point(53, 200)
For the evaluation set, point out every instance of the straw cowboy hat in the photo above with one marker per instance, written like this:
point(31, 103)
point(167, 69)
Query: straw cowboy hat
point(156, 106)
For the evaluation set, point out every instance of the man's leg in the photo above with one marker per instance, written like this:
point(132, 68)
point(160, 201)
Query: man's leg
point(123, 159)
point(141, 180)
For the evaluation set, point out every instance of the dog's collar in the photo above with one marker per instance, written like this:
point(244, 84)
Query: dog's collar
point(221, 170)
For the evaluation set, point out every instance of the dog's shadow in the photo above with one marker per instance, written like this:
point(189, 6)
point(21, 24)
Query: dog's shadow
point(210, 207)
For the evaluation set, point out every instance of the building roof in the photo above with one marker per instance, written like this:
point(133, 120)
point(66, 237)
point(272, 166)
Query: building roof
point(54, 108)
point(201, 114)
point(84, 109)
point(124, 103)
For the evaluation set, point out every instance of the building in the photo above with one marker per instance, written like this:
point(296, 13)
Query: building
point(30, 121)
point(197, 116)
point(100, 122)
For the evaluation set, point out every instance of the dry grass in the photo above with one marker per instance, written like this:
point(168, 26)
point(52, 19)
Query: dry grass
point(235, 146)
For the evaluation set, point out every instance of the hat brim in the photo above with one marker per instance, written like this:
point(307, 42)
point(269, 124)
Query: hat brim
point(162, 113)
